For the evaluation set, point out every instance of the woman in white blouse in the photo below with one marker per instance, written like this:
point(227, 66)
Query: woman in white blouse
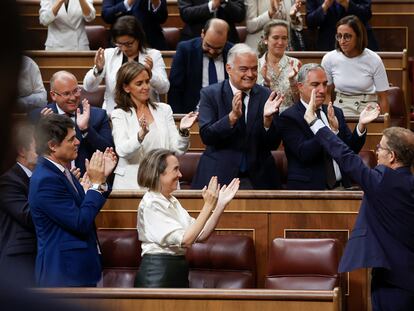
point(65, 21)
point(140, 125)
point(165, 228)
point(129, 38)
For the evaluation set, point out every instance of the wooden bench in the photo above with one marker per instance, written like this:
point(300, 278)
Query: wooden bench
point(146, 299)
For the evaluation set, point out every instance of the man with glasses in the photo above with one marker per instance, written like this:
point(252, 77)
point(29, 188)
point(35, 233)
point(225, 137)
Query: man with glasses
point(198, 63)
point(237, 120)
point(383, 234)
point(92, 124)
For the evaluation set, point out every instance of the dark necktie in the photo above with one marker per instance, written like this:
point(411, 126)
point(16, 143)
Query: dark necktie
point(243, 163)
point(329, 167)
point(212, 73)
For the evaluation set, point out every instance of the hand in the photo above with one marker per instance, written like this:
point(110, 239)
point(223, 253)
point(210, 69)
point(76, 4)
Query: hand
point(131, 2)
point(344, 3)
point(236, 108)
point(272, 104)
point(310, 111)
point(76, 172)
point(144, 128)
point(293, 70)
point(148, 62)
point(45, 112)
point(369, 114)
point(332, 119)
point(85, 182)
point(82, 119)
point(211, 193)
point(95, 167)
point(188, 120)
point(100, 59)
point(327, 4)
point(110, 160)
point(295, 8)
point(227, 193)
point(266, 78)
point(215, 4)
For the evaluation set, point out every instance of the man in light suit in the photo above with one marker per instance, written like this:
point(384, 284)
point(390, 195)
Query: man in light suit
point(63, 210)
point(309, 167)
point(383, 235)
point(92, 124)
point(237, 125)
point(17, 232)
point(190, 69)
point(151, 14)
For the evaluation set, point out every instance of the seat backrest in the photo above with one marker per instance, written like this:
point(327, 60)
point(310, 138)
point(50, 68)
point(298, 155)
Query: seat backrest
point(242, 31)
point(188, 167)
point(121, 256)
point(281, 165)
point(97, 36)
point(398, 113)
point(95, 98)
point(223, 261)
point(172, 36)
point(303, 264)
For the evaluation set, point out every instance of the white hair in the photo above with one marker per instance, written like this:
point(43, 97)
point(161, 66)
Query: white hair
point(237, 49)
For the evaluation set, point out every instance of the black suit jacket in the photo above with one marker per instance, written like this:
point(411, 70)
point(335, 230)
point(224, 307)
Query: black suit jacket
point(195, 14)
point(17, 233)
point(151, 21)
point(306, 166)
point(186, 76)
point(99, 133)
point(326, 23)
point(226, 145)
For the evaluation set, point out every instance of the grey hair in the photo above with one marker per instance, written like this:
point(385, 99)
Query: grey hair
point(305, 69)
point(237, 49)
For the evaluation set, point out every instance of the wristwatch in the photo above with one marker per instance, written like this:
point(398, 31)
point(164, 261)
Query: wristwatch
point(96, 72)
point(98, 187)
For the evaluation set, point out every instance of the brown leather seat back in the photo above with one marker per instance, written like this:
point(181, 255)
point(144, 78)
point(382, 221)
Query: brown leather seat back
point(95, 98)
point(97, 36)
point(398, 113)
point(188, 167)
point(242, 31)
point(223, 261)
point(121, 256)
point(281, 165)
point(303, 264)
point(172, 36)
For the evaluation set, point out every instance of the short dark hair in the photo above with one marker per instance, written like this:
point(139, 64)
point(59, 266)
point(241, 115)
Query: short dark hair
point(130, 26)
point(53, 127)
point(151, 167)
point(401, 142)
point(361, 33)
point(124, 76)
point(23, 135)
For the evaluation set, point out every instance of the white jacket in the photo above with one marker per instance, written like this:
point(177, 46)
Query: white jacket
point(113, 61)
point(163, 134)
point(66, 30)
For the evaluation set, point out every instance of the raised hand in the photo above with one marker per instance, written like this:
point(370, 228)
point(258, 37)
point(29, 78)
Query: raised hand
point(272, 104)
point(210, 193)
point(82, 119)
point(110, 160)
point(99, 59)
point(295, 7)
point(327, 4)
point(76, 172)
point(95, 168)
point(332, 119)
point(227, 193)
point(85, 182)
point(265, 76)
point(236, 108)
point(188, 120)
point(369, 114)
point(144, 128)
point(293, 70)
point(45, 112)
point(148, 62)
point(310, 114)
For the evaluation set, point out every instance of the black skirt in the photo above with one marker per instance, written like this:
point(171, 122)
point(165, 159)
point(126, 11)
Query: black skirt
point(162, 270)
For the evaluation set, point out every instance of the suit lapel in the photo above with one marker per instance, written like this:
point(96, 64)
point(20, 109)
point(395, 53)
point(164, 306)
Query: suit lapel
point(227, 96)
point(198, 66)
point(252, 110)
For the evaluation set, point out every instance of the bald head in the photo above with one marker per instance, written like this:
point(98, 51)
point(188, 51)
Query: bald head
point(214, 37)
point(65, 91)
point(61, 76)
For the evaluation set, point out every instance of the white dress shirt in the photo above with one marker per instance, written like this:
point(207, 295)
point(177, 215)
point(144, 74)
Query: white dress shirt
point(218, 63)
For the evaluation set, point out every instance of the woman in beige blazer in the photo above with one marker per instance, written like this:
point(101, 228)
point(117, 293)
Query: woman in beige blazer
point(140, 125)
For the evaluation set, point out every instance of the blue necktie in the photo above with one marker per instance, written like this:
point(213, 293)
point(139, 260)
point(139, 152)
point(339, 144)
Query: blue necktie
point(212, 73)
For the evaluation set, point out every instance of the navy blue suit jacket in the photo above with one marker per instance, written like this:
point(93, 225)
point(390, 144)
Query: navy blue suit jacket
point(326, 23)
point(186, 75)
point(65, 224)
point(306, 166)
point(225, 145)
point(17, 232)
point(99, 133)
point(151, 21)
point(383, 235)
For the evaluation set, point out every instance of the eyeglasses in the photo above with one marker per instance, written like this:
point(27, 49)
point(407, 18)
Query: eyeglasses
point(379, 147)
point(207, 46)
point(127, 44)
point(346, 36)
point(75, 92)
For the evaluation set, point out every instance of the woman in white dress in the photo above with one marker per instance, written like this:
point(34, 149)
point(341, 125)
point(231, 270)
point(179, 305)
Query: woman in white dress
point(129, 39)
point(140, 125)
point(65, 21)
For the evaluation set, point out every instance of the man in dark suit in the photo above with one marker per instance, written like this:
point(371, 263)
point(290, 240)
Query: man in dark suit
point(151, 14)
point(383, 235)
point(322, 15)
point(92, 124)
point(195, 13)
point(17, 232)
point(236, 120)
point(63, 210)
point(192, 65)
point(309, 167)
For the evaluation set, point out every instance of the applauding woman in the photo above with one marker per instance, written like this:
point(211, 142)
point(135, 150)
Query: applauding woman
point(277, 70)
point(165, 228)
point(140, 125)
